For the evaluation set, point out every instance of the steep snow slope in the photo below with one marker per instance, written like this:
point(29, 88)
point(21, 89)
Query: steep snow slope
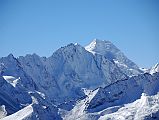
point(145, 108)
point(23, 114)
point(125, 91)
point(79, 108)
point(134, 98)
point(111, 52)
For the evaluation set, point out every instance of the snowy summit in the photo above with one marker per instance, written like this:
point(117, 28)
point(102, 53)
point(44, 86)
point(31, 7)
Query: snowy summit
point(101, 47)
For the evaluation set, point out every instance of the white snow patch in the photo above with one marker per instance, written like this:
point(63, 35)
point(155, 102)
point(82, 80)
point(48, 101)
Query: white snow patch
point(155, 69)
point(121, 64)
point(44, 107)
point(41, 94)
point(80, 107)
point(12, 80)
point(3, 111)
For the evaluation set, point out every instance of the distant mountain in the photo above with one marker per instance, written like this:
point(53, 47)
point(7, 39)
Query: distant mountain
point(51, 87)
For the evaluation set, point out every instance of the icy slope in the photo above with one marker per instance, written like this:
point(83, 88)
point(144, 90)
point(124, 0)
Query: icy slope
point(79, 110)
point(145, 108)
point(125, 91)
point(134, 98)
point(23, 114)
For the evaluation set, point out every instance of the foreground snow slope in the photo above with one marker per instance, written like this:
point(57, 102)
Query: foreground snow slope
point(125, 91)
point(15, 98)
point(134, 98)
point(12, 98)
point(22, 114)
point(145, 108)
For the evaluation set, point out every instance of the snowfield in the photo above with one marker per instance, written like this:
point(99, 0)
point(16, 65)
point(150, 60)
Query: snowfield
point(146, 106)
point(22, 114)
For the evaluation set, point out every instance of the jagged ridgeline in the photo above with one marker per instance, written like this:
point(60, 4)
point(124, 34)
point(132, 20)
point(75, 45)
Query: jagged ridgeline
point(93, 82)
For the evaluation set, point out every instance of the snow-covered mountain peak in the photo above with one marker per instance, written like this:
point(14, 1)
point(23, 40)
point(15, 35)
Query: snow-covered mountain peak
point(112, 53)
point(101, 46)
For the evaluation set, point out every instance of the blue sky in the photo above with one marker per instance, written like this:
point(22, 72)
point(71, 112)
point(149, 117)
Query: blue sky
point(42, 26)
